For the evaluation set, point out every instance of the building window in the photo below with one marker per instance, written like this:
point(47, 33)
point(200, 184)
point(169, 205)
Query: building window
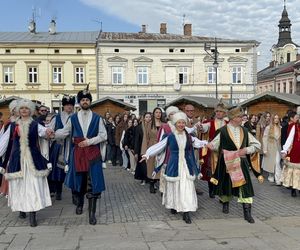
point(183, 75)
point(288, 57)
point(32, 74)
point(171, 50)
point(7, 51)
point(31, 51)
point(56, 51)
point(57, 75)
point(117, 50)
point(79, 51)
point(291, 87)
point(182, 50)
point(237, 50)
point(79, 74)
point(142, 75)
point(8, 72)
point(284, 87)
point(211, 75)
point(237, 75)
point(117, 75)
point(142, 50)
point(278, 87)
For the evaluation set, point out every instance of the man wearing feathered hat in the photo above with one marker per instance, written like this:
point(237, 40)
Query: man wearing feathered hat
point(85, 174)
point(59, 149)
point(234, 144)
point(209, 132)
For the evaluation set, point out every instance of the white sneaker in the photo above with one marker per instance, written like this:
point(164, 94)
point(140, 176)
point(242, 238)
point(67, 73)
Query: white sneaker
point(143, 183)
point(104, 165)
point(109, 161)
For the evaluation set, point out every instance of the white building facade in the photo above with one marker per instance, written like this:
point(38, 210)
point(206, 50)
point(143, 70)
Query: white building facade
point(149, 69)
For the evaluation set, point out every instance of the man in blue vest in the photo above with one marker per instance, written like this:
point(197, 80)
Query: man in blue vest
point(84, 172)
point(59, 149)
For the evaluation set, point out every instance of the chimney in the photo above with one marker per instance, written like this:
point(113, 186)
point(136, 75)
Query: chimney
point(32, 26)
point(143, 28)
point(272, 64)
point(52, 28)
point(163, 28)
point(187, 29)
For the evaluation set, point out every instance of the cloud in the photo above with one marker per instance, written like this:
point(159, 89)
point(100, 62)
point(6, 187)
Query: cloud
point(237, 19)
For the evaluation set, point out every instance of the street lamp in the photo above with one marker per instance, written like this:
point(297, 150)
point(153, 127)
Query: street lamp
point(214, 56)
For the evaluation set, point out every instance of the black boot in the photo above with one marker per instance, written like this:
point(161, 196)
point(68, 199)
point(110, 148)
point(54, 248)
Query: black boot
point(173, 211)
point(58, 196)
point(225, 208)
point(74, 198)
point(32, 219)
point(293, 192)
point(152, 188)
point(186, 217)
point(247, 213)
point(80, 204)
point(92, 211)
point(210, 190)
point(22, 215)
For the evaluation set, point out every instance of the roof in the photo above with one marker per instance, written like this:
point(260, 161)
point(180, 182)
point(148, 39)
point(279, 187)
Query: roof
point(46, 37)
point(206, 102)
point(118, 102)
point(157, 37)
point(281, 97)
point(271, 72)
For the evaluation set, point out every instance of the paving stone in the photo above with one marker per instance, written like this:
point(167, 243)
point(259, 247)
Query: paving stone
point(20, 241)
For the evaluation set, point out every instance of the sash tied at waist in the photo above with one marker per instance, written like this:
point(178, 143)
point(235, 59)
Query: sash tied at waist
point(84, 156)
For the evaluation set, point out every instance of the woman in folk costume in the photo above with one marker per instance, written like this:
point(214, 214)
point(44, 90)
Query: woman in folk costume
point(28, 168)
point(181, 170)
point(5, 158)
point(234, 144)
point(141, 167)
point(290, 175)
point(149, 139)
point(165, 129)
point(271, 150)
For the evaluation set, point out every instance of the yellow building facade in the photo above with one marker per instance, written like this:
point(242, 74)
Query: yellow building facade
point(43, 66)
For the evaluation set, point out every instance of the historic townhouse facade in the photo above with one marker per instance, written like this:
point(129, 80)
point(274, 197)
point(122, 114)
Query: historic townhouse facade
point(44, 65)
point(152, 69)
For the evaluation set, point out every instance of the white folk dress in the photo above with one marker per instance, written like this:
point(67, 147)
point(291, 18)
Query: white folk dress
point(179, 195)
point(30, 192)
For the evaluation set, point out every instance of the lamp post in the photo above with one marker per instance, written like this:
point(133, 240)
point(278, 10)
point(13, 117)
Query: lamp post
point(214, 56)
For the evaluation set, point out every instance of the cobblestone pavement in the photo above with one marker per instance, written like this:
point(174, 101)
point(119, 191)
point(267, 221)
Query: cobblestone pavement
point(132, 218)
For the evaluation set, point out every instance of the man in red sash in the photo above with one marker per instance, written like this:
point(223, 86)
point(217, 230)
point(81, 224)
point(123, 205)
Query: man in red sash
point(209, 132)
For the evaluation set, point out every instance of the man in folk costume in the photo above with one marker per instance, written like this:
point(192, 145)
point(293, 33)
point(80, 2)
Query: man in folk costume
point(209, 132)
point(290, 175)
point(28, 166)
point(85, 174)
point(59, 149)
point(231, 178)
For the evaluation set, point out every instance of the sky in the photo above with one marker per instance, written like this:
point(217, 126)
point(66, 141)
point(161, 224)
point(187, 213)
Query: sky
point(233, 19)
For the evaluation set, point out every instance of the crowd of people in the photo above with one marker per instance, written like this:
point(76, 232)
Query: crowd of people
point(41, 151)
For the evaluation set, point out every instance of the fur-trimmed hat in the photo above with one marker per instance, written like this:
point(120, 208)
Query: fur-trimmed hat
point(171, 109)
point(13, 105)
point(179, 116)
point(68, 99)
point(234, 112)
point(26, 103)
point(220, 106)
point(84, 94)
